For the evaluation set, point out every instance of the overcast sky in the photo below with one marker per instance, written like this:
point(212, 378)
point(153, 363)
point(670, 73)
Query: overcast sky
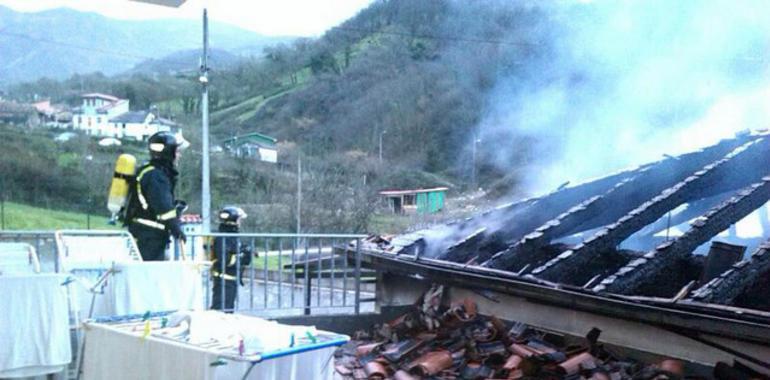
point(268, 17)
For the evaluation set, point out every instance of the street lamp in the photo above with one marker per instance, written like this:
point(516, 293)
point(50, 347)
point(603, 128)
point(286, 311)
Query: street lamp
point(382, 133)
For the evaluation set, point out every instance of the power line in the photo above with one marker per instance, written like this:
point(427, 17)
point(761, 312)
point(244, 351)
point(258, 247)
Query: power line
point(436, 37)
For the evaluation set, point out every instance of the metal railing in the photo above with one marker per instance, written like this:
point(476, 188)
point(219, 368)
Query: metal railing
point(288, 274)
point(283, 274)
point(44, 242)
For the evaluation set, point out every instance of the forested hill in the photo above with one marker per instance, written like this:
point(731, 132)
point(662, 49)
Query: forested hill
point(419, 74)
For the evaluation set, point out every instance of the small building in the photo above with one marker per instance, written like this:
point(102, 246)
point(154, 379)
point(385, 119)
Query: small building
point(421, 201)
point(256, 145)
point(53, 115)
point(18, 114)
point(109, 116)
point(139, 125)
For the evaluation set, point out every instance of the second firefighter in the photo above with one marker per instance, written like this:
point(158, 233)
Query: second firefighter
point(228, 253)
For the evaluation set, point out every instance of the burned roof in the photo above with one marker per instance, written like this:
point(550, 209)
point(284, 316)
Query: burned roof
point(600, 236)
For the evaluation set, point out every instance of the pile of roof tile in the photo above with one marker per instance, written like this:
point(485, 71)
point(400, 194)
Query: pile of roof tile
point(436, 342)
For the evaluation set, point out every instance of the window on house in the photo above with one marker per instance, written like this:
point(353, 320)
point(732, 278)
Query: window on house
point(409, 200)
point(124, 125)
point(98, 120)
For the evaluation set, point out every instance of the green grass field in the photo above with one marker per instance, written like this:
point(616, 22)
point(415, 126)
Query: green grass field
point(16, 216)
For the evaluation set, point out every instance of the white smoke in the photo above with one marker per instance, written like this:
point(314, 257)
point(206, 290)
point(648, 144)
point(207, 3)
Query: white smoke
point(629, 81)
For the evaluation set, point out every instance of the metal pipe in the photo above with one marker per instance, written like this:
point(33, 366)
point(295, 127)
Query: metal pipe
point(265, 279)
point(251, 276)
point(237, 254)
point(358, 277)
point(318, 274)
point(280, 272)
point(222, 259)
point(345, 278)
point(306, 273)
point(299, 193)
point(205, 149)
point(293, 271)
point(331, 275)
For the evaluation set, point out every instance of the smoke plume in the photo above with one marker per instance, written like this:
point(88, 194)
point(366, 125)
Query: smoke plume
point(621, 83)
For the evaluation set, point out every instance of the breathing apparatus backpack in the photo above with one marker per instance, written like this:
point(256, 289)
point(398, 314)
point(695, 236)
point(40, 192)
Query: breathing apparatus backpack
point(121, 187)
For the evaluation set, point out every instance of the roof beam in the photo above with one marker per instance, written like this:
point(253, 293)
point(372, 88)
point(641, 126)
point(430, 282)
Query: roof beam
point(725, 288)
point(629, 278)
point(731, 169)
point(608, 207)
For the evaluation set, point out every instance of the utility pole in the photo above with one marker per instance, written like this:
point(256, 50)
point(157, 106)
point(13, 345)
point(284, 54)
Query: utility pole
point(88, 214)
point(299, 193)
point(382, 133)
point(476, 140)
point(204, 79)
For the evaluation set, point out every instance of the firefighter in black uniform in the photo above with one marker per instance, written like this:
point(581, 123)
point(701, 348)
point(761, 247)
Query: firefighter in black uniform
point(153, 213)
point(227, 253)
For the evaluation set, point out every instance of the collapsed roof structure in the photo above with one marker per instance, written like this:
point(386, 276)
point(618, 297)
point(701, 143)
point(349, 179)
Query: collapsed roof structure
point(600, 235)
point(602, 254)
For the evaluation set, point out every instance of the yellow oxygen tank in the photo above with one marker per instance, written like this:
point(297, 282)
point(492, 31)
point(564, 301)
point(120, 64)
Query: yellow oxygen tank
point(125, 170)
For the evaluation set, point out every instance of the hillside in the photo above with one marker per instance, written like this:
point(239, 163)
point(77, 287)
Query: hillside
point(514, 97)
point(419, 74)
point(180, 62)
point(60, 42)
point(15, 216)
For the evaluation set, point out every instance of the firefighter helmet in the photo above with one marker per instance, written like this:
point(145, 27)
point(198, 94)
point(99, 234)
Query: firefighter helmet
point(164, 145)
point(231, 215)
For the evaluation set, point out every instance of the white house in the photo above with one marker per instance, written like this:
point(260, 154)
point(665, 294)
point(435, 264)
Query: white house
point(108, 116)
point(139, 125)
point(93, 116)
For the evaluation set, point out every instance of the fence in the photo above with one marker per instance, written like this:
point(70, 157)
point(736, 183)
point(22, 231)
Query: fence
point(288, 274)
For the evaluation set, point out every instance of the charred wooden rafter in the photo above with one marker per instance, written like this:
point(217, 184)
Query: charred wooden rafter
point(464, 249)
point(604, 209)
point(694, 209)
point(730, 171)
point(725, 288)
point(504, 224)
point(631, 277)
point(508, 223)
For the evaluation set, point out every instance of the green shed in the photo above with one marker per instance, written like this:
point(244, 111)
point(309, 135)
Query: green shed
point(257, 145)
point(421, 201)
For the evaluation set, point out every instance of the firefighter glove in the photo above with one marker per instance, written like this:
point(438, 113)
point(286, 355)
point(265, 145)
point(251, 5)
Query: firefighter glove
point(176, 230)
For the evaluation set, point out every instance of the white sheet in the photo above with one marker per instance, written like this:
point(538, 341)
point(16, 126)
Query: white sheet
point(156, 286)
point(138, 287)
point(34, 325)
point(114, 354)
